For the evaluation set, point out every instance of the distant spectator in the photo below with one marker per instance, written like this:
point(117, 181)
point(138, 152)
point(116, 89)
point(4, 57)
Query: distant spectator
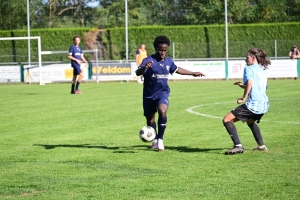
point(294, 53)
point(141, 53)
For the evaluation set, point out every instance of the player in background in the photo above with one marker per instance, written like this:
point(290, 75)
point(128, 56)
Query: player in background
point(156, 69)
point(257, 102)
point(76, 56)
point(141, 53)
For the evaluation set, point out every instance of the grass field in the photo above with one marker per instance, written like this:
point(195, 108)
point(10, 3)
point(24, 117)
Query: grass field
point(60, 146)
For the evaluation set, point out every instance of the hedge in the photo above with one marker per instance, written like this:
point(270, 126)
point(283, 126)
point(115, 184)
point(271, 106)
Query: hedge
point(189, 41)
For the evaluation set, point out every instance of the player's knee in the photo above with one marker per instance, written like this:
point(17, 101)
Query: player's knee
point(163, 114)
point(150, 122)
point(162, 111)
point(224, 120)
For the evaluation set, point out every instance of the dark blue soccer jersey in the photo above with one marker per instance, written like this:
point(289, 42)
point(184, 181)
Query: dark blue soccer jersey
point(76, 52)
point(156, 77)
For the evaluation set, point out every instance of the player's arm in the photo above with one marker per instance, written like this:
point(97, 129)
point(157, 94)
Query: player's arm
point(240, 84)
point(297, 55)
point(141, 69)
point(75, 59)
point(187, 72)
point(72, 58)
point(247, 89)
point(84, 60)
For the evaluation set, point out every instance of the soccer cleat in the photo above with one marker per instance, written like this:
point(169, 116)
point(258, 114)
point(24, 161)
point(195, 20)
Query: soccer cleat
point(73, 92)
point(77, 92)
point(235, 150)
point(260, 148)
point(160, 145)
point(154, 144)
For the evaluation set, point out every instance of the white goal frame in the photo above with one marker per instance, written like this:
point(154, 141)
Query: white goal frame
point(38, 38)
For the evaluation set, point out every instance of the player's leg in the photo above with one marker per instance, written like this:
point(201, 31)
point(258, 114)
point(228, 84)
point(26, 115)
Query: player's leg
point(149, 113)
point(257, 135)
point(77, 71)
point(150, 120)
point(162, 120)
point(162, 107)
point(228, 122)
point(78, 82)
point(73, 84)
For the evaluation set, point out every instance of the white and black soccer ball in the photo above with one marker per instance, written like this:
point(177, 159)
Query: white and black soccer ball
point(140, 79)
point(147, 134)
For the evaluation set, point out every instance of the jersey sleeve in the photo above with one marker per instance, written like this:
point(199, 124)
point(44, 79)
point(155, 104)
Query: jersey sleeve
point(137, 52)
point(173, 67)
point(144, 62)
point(248, 74)
point(70, 51)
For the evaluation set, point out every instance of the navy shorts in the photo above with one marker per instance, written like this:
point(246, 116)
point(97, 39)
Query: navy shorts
point(244, 114)
point(76, 70)
point(150, 106)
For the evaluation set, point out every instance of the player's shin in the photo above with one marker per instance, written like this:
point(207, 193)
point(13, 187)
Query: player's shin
point(153, 125)
point(232, 131)
point(77, 85)
point(162, 124)
point(256, 133)
point(72, 87)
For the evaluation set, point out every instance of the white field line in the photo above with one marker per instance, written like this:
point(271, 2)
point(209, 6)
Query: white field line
point(190, 110)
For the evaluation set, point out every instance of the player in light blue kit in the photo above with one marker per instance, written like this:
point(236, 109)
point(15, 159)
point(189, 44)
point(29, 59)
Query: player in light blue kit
point(257, 102)
point(76, 56)
point(156, 69)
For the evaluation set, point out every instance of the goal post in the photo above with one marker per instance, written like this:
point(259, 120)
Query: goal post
point(38, 38)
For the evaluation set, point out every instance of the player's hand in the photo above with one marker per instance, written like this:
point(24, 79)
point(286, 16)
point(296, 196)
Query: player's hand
point(149, 64)
point(240, 100)
point(198, 74)
point(238, 83)
point(78, 61)
point(86, 65)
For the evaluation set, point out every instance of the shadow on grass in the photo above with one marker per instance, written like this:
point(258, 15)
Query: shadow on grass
point(132, 149)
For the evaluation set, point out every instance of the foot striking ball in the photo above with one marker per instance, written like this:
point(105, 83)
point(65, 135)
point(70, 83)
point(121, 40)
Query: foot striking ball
point(147, 134)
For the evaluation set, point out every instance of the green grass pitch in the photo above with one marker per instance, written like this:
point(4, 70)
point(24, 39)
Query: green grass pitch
point(55, 145)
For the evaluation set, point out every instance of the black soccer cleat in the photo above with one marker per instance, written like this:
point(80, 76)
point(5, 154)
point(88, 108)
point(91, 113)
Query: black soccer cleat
point(235, 150)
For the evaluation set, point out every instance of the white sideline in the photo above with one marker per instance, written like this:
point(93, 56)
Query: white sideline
point(190, 110)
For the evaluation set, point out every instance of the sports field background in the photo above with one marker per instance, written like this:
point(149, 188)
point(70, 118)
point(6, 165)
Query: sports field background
point(55, 145)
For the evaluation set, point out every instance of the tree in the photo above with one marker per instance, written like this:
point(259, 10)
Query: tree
point(13, 14)
point(64, 13)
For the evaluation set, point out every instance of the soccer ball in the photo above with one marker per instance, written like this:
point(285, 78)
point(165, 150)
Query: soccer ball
point(147, 134)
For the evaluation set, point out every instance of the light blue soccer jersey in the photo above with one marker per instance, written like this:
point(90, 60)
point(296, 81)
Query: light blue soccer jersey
point(156, 77)
point(258, 101)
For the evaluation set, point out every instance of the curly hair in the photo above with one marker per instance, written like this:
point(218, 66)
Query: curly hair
point(161, 40)
point(261, 57)
point(76, 36)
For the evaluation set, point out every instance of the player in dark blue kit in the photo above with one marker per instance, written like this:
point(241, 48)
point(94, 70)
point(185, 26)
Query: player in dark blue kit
point(76, 56)
point(156, 69)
